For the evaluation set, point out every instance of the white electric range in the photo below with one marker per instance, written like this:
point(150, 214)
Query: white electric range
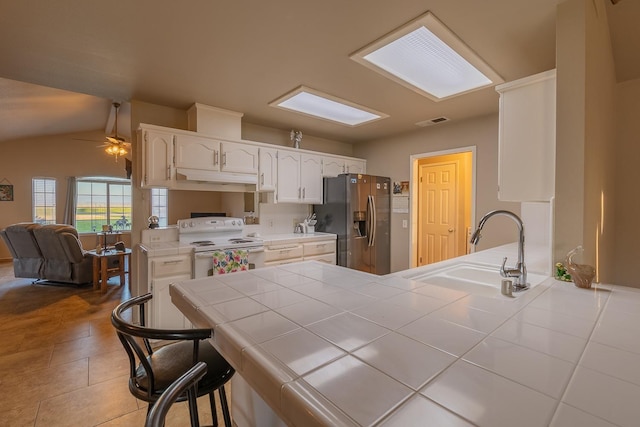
point(208, 235)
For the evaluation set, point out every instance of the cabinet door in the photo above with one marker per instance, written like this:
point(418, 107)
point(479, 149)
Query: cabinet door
point(240, 158)
point(196, 152)
point(526, 147)
point(332, 167)
point(165, 315)
point(311, 178)
point(319, 247)
point(289, 190)
point(356, 166)
point(157, 168)
point(268, 168)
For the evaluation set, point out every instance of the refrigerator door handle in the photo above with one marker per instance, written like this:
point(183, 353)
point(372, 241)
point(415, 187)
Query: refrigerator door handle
point(374, 219)
point(370, 222)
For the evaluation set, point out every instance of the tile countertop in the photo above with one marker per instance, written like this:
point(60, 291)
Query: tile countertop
point(324, 345)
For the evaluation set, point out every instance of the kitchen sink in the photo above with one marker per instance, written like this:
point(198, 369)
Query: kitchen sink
point(470, 274)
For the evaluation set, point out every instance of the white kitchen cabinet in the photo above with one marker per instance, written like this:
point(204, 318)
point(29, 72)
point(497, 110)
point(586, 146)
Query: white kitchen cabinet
point(239, 158)
point(527, 130)
point(333, 166)
point(279, 254)
point(163, 271)
point(320, 250)
point(268, 169)
point(203, 153)
point(165, 315)
point(355, 166)
point(197, 152)
point(299, 178)
point(157, 164)
point(311, 178)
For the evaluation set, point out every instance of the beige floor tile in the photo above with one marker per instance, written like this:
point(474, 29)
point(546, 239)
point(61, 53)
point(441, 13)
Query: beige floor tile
point(108, 365)
point(20, 416)
point(88, 406)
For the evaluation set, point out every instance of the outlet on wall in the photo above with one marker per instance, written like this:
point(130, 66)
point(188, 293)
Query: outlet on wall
point(404, 223)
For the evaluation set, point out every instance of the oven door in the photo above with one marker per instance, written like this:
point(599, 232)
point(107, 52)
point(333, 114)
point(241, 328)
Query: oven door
point(203, 261)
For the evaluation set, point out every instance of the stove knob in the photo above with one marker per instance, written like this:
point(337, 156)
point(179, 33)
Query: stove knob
point(233, 222)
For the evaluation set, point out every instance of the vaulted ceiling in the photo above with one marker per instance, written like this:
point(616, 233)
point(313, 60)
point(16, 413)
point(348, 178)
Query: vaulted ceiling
point(64, 61)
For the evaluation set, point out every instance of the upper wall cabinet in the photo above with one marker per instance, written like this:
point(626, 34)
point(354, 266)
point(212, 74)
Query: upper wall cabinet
point(355, 166)
point(198, 152)
point(184, 160)
point(268, 169)
point(527, 137)
point(299, 178)
point(157, 162)
point(333, 166)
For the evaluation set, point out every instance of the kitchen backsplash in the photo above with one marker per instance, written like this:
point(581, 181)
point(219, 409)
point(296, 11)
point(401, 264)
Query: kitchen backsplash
point(277, 218)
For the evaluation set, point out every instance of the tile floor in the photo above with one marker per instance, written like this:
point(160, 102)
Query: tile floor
point(61, 363)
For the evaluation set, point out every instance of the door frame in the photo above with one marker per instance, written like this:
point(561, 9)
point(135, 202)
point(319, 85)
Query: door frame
point(413, 194)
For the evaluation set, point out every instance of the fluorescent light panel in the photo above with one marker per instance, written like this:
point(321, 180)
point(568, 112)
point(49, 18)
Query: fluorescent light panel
point(317, 104)
point(425, 56)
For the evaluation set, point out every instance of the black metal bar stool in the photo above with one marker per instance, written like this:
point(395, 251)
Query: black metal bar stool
point(153, 370)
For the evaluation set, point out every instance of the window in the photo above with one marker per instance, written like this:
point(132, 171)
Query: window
point(44, 200)
point(103, 201)
point(159, 204)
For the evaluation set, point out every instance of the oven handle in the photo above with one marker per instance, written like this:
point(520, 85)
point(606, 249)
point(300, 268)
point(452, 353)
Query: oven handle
point(210, 253)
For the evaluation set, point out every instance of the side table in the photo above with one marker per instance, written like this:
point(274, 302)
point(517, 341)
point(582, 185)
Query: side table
point(101, 270)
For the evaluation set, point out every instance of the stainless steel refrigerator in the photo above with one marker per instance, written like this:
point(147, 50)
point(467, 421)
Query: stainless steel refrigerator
point(357, 208)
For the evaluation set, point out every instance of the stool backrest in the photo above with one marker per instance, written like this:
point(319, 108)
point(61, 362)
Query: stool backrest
point(187, 382)
point(136, 341)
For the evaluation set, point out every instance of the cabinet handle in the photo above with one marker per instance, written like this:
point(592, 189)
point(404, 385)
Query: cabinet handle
point(299, 192)
point(262, 179)
point(224, 159)
point(215, 157)
point(175, 261)
point(344, 169)
point(304, 192)
point(168, 173)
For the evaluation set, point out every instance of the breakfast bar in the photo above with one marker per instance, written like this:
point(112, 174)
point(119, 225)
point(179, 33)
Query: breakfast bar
point(322, 345)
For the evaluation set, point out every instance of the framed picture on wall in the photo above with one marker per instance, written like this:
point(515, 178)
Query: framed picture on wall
point(6, 193)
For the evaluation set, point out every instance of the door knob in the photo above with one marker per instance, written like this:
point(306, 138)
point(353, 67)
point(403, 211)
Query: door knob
point(451, 230)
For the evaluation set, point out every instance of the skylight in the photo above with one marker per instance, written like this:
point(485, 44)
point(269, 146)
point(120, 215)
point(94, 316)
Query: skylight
point(317, 104)
point(425, 56)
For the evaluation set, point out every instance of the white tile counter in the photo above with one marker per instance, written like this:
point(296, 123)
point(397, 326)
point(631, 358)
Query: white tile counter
point(324, 345)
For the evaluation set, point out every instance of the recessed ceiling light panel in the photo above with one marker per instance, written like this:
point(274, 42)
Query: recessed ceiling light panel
point(425, 56)
point(317, 104)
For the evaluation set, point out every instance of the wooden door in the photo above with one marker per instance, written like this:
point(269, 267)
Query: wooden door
point(437, 212)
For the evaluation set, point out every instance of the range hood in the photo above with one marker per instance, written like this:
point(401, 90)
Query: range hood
point(217, 177)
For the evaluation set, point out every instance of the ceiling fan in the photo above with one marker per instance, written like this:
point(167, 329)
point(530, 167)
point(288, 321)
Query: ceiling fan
point(116, 145)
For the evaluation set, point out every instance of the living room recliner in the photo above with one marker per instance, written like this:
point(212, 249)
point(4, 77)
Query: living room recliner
point(64, 259)
point(48, 253)
point(28, 261)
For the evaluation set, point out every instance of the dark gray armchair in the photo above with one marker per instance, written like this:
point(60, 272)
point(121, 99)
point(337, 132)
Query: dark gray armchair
point(28, 261)
point(64, 259)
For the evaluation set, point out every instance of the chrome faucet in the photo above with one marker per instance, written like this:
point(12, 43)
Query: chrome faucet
point(520, 270)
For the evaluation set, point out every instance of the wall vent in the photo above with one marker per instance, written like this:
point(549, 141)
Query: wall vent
point(432, 122)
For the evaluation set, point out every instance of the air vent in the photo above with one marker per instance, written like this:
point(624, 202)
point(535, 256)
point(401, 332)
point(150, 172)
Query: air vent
point(432, 122)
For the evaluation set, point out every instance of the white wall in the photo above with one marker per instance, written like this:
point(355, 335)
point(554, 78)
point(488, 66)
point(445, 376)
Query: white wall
point(585, 163)
point(627, 176)
point(391, 157)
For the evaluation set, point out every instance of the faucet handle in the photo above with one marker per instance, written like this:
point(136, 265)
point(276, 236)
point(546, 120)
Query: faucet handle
point(503, 270)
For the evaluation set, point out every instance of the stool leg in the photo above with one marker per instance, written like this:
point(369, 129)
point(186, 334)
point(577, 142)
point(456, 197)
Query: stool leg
point(214, 413)
point(225, 407)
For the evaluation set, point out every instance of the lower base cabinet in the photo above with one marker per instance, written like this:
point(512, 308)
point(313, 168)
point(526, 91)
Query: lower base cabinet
point(163, 271)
